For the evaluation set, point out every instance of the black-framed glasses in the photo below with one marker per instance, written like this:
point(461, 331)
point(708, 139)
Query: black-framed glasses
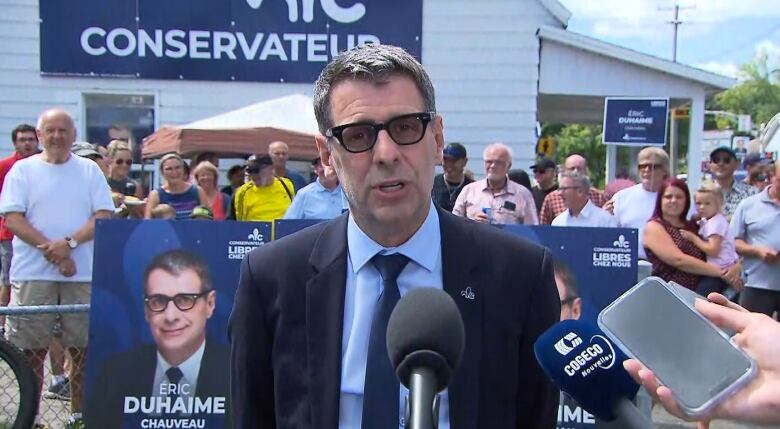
point(120, 161)
point(359, 137)
point(157, 303)
point(568, 300)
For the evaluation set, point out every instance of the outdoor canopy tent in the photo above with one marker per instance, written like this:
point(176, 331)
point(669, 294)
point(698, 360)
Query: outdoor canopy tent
point(244, 131)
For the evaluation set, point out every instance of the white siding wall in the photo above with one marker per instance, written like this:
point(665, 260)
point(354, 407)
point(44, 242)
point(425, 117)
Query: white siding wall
point(482, 56)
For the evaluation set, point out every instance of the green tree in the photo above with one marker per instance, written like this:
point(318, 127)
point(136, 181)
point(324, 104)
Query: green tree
point(757, 94)
point(586, 141)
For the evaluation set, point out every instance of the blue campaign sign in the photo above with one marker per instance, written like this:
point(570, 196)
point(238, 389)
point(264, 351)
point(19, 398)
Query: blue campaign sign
point(602, 262)
point(635, 121)
point(284, 227)
point(162, 293)
point(242, 40)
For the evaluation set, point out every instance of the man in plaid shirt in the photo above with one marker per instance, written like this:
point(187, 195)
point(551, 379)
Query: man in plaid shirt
point(554, 205)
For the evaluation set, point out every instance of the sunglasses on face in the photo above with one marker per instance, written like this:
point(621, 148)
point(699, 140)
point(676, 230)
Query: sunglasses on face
point(183, 301)
point(123, 161)
point(721, 160)
point(252, 169)
point(651, 165)
point(361, 136)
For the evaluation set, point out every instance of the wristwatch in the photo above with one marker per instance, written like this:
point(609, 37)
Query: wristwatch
point(72, 243)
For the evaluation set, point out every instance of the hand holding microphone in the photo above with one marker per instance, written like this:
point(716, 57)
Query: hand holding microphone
point(582, 362)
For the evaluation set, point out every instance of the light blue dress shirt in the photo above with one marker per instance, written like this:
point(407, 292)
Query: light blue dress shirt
point(362, 293)
point(315, 201)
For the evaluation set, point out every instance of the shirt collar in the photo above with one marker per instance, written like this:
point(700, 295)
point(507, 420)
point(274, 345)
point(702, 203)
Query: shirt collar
point(189, 368)
point(765, 195)
point(586, 211)
point(418, 248)
point(505, 190)
point(318, 186)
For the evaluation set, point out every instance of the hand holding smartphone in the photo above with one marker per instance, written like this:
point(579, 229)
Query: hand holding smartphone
point(687, 353)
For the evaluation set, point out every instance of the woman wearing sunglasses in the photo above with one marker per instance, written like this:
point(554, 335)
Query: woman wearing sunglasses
point(121, 159)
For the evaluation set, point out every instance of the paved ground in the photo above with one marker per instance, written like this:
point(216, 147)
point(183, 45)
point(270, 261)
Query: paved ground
point(663, 420)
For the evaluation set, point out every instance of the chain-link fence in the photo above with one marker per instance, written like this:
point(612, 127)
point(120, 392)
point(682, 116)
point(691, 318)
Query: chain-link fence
point(42, 364)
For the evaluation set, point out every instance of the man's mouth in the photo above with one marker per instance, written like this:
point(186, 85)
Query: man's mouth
point(391, 186)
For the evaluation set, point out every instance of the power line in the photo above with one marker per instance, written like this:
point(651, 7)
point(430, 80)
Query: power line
point(741, 45)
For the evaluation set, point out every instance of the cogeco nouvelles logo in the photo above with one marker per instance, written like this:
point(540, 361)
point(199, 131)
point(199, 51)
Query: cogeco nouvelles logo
point(566, 344)
point(599, 353)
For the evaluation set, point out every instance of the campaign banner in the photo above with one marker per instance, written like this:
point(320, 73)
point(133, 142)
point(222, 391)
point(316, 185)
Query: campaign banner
point(230, 40)
point(162, 293)
point(602, 262)
point(635, 121)
point(284, 227)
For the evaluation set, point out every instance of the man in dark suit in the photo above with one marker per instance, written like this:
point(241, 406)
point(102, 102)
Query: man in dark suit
point(304, 353)
point(182, 376)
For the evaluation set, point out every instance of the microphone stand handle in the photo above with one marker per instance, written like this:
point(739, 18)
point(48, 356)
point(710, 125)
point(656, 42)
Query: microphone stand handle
point(422, 404)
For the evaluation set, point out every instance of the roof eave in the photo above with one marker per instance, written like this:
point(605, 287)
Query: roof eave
point(713, 81)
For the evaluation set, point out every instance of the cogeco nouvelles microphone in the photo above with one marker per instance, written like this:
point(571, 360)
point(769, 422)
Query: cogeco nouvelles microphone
point(584, 363)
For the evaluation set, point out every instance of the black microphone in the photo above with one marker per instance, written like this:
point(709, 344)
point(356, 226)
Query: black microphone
point(584, 363)
point(425, 340)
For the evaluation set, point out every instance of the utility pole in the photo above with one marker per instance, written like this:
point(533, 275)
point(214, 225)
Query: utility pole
point(676, 22)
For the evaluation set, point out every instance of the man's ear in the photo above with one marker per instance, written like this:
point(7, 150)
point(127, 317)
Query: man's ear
point(576, 308)
point(438, 135)
point(322, 148)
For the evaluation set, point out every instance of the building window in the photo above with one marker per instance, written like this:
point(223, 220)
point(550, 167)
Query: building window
point(128, 117)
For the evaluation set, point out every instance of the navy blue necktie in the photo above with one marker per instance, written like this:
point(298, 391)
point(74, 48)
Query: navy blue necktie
point(380, 391)
point(174, 375)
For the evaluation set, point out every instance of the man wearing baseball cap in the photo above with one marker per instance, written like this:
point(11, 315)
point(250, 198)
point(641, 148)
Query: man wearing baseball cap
point(757, 170)
point(264, 197)
point(544, 174)
point(723, 164)
point(447, 186)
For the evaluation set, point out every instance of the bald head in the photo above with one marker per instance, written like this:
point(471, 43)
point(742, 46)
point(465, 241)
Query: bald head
point(50, 114)
point(56, 133)
point(576, 163)
point(279, 152)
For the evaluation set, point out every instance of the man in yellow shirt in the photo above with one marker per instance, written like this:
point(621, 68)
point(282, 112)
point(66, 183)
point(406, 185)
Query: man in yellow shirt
point(263, 197)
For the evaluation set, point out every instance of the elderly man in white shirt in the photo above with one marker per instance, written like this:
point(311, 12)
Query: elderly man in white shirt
point(580, 211)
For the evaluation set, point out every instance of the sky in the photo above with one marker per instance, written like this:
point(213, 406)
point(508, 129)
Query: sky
point(716, 35)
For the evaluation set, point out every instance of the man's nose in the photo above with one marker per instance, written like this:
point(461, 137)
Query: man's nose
point(171, 312)
point(385, 148)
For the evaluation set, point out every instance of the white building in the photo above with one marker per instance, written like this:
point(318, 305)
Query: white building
point(498, 67)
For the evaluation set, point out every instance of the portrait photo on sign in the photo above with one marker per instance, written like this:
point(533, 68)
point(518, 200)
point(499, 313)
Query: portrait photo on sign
point(159, 355)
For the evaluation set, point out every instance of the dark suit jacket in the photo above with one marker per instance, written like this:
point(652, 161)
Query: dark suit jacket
point(286, 328)
point(131, 373)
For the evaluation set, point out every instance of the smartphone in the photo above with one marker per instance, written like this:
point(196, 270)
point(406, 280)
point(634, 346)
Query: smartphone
point(687, 353)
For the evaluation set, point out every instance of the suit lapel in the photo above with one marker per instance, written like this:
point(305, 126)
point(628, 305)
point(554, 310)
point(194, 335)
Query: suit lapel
point(460, 281)
point(324, 321)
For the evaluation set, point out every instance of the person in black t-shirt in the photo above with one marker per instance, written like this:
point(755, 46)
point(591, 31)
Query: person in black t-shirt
point(448, 185)
point(544, 173)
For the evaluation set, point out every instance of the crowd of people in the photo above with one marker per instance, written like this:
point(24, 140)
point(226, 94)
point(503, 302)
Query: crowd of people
point(724, 240)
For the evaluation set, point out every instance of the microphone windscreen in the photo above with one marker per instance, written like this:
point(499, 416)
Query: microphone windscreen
point(584, 363)
point(426, 330)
